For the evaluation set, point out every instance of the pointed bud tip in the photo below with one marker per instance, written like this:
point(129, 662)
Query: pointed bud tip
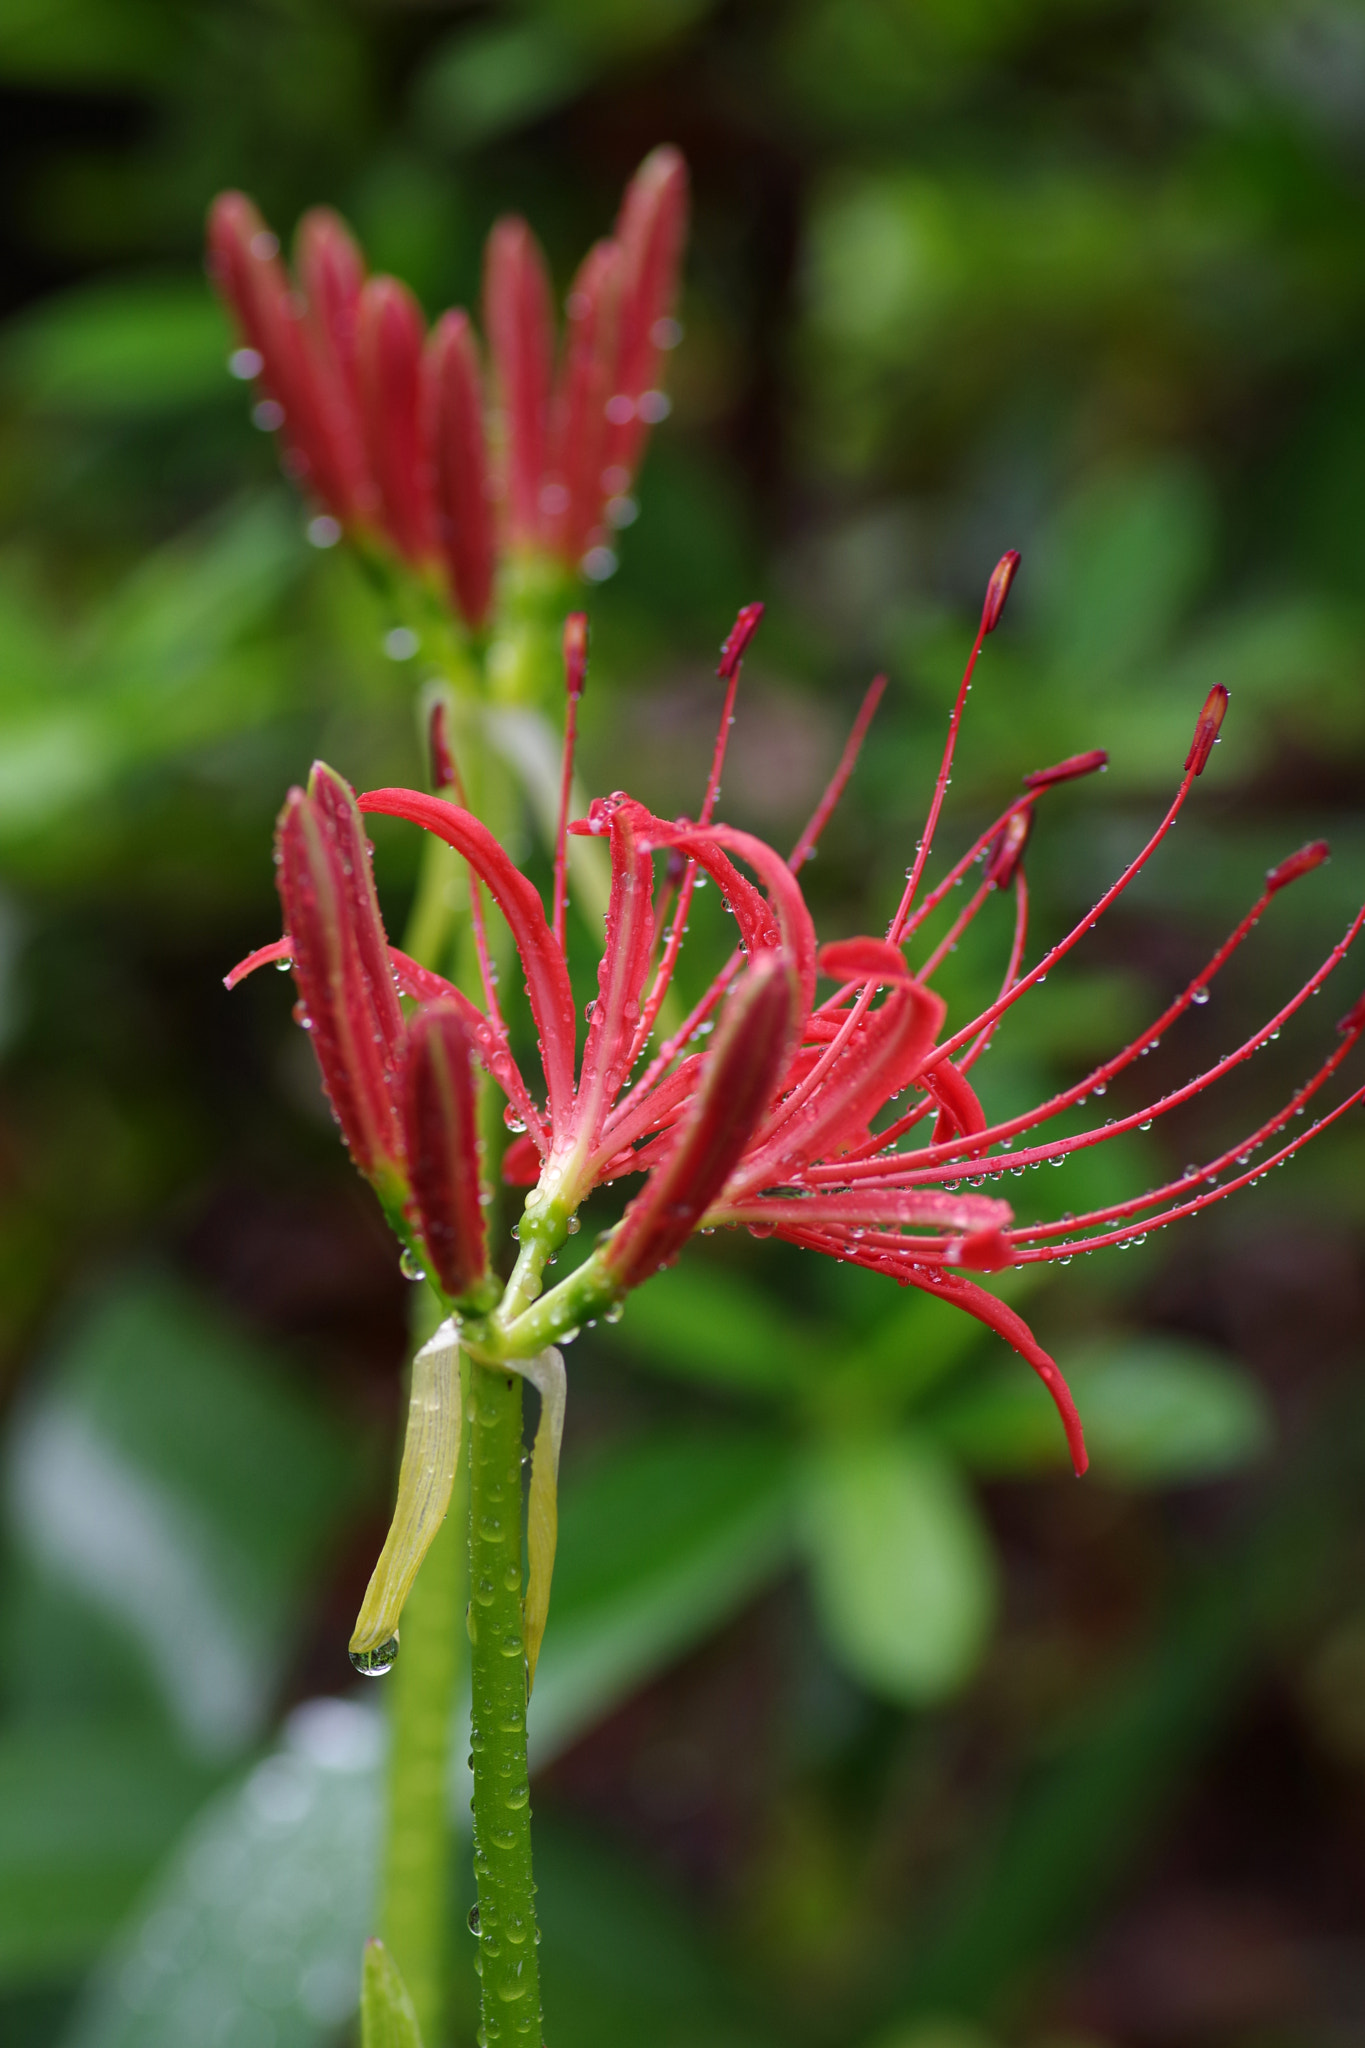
point(575, 653)
point(998, 589)
point(738, 638)
point(1301, 863)
point(1007, 850)
point(1206, 730)
point(443, 771)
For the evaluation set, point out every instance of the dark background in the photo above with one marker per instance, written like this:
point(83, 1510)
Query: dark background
point(1080, 277)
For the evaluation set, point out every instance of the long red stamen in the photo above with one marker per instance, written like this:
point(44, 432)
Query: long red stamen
point(575, 674)
point(997, 590)
point(820, 816)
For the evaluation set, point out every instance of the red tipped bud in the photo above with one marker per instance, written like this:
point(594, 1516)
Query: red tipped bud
point(390, 358)
point(1066, 771)
point(575, 653)
point(347, 998)
point(650, 230)
point(440, 1127)
point(742, 1073)
point(737, 640)
point(452, 429)
point(520, 328)
point(444, 774)
point(998, 589)
point(1301, 863)
point(1206, 730)
point(1007, 849)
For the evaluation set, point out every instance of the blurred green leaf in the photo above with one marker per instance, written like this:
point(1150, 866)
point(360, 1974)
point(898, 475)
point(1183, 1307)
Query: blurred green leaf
point(701, 1323)
point(88, 1809)
point(121, 348)
point(1157, 1412)
point(168, 1473)
point(494, 78)
point(659, 1542)
point(903, 1572)
point(387, 2018)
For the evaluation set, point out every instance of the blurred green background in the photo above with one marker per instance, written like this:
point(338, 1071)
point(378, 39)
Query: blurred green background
point(860, 1722)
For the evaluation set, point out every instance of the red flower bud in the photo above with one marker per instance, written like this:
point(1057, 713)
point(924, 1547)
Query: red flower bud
point(452, 406)
point(575, 653)
point(331, 272)
point(1206, 730)
point(390, 359)
point(444, 774)
point(572, 503)
point(520, 329)
point(440, 1128)
point(650, 229)
point(742, 1073)
point(347, 997)
point(998, 589)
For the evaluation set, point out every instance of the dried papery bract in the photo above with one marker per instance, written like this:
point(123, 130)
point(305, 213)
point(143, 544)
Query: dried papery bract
point(440, 1129)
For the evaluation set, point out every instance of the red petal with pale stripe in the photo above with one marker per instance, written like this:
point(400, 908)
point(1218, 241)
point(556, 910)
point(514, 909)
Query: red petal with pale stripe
point(452, 406)
point(520, 327)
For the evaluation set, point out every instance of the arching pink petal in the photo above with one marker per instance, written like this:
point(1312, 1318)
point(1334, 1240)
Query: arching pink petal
point(620, 977)
point(279, 950)
point(965, 1294)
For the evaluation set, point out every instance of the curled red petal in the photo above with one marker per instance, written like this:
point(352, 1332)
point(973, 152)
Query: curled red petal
point(521, 1162)
point(965, 1294)
point(279, 950)
point(547, 977)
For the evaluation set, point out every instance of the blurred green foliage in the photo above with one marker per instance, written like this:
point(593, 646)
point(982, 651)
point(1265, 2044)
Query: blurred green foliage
point(858, 1721)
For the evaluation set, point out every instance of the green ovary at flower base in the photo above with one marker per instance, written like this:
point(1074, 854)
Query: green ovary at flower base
point(773, 1123)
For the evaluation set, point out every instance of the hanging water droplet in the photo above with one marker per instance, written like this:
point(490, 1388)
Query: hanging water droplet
point(374, 1663)
point(574, 1225)
point(1145, 1126)
point(1200, 995)
point(473, 1921)
point(408, 1266)
point(284, 967)
point(614, 1313)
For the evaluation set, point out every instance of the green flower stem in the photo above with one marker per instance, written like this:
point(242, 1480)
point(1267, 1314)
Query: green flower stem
point(508, 1964)
point(415, 1886)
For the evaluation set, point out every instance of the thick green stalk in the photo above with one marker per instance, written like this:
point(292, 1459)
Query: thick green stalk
point(507, 1963)
point(416, 1895)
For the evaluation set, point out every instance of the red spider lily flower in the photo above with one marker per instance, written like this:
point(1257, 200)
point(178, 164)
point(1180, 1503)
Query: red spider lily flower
point(385, 426)
point(780, 1125)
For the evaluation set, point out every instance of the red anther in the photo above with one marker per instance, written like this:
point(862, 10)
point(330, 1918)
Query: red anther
point(1003, 860)
point(391, 335)
point(1301, 863)
point(1354, 1020)
point(650, 229)
point(519, 323)
point(1066, 771)
point(444, 774)
point(741, 1075)
point(1206, 730)
point(575, 652)
point(737, 640)
point(453, 435)
point(440, 1128)
point(998, 589)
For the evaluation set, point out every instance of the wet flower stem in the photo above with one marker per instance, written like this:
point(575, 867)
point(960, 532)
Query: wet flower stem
point(507, 1960)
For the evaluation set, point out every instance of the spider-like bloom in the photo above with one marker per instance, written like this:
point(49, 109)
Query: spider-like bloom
point(778, 1121)
point(384, 424)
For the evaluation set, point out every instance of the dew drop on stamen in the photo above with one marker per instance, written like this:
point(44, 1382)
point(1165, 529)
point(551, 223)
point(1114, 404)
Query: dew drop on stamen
point(1200, 995)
